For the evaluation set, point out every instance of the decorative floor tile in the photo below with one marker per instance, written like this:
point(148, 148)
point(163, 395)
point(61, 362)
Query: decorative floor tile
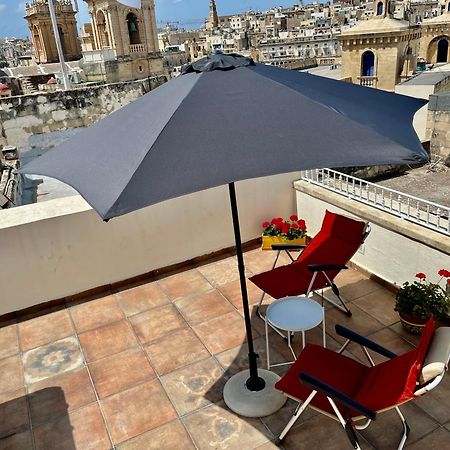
point(107, 340)
point(222, 272)
point(435, 403)
point(141, 298)
point(202, 307)
point(45, 329)
point(13, 413)
point(136, 410)
point(121, 371)
point(57, 395)
point(438, 439)
point(217, 428)
point(80, 429)
point(9, 341)
point(258, 261)
point(184, 284)
point(380, 305)
point(51, 359)
point(94, 314)
point(171, 436)
point(232, 292)
point(353, 284)
point(195, 386)
point(175, 350)
point(11, 374)
point(157, 322)
point(222, 333)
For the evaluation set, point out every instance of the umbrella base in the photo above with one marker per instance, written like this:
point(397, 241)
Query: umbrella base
point(248, 403)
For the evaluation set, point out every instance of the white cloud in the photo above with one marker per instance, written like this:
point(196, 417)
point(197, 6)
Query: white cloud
point(2, 6)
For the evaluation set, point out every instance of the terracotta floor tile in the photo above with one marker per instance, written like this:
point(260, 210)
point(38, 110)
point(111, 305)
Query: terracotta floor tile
point(93, 314)
point(13, 413)
point(52, 359)
point(171, 436)
point(232, 292)
point(57, 395)
point(216, 427)
point(258, 261)
point(258, 324)
point(9, 341)
point(80, 429)
point(202, 307)
point(121, 371)
point(222, 333)
point(438, 439)
point(136, 410)
point(380, 305)
point(19, 441)
point(184, 284)
point(175, 350)
point(45, 329)
point(353, 284)
point(413, 339)
point(11, 374)
point(157, 322)
point(107, 340)
point(435, 403)
point(141, 298)
point(222, 272)
point(195, 386)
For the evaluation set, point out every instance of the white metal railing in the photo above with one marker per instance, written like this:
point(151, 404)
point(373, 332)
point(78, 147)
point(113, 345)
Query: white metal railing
point(422, 212)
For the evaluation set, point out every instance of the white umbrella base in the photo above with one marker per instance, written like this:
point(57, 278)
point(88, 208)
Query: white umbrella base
point(248, 403)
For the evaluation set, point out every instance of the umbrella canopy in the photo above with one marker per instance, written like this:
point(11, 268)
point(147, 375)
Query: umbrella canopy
point(227, 119)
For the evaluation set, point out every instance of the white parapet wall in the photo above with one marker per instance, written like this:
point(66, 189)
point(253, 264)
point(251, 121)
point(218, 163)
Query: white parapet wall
point(395, 249)
point(61, 247)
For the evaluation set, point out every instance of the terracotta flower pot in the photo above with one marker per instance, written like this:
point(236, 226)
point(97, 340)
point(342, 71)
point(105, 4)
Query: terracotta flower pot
point(412, 324)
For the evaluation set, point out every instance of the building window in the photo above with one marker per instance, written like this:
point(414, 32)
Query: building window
point(133, 30)
point(379, 8)
point(367, 64)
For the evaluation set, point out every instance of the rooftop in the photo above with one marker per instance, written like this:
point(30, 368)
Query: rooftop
point(144, 367)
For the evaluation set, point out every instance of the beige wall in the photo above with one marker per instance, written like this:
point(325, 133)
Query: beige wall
point(61, 247)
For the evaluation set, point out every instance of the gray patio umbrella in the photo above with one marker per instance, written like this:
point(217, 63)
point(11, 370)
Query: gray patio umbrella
point(228, 119)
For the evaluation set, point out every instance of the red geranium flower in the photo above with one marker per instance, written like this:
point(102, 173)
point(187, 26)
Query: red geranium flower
point(444, 273)
point(277, 220)
point(294, 218)
point(278, 225)
point(294, 225)
point(285, 227)
point(265, 224)
point(302, 224)
point(421, 276)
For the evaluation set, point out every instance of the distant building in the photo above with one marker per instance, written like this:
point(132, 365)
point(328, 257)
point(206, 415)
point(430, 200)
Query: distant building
point(213, 21)
point(37, 15)
point(122, 42)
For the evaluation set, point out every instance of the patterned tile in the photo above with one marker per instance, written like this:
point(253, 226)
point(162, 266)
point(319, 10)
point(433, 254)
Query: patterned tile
point(202, 307)
point(11, 374)
point(13, 413)
point(171, 436)
point(175, 350)
point(141, 298)
point(107, 340)
point(80, 429)
point(121, 371)
point(45, 329)
point(136, 410)
point(52, 359)
point(94, 314)
point(195, 386)
point(217, 428)
point(9, 341)
point(157, 322)
point(184, 284)
point(57, 395)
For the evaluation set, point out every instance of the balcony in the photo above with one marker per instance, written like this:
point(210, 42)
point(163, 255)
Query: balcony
point(142, 363)
point(368, 81)
point(137, 49)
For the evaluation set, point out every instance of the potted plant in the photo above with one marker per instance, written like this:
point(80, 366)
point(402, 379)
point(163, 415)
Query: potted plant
point(280, 231)
point(417, 301)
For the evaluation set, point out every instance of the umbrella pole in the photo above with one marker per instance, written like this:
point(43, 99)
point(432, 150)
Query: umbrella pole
point(254, 383)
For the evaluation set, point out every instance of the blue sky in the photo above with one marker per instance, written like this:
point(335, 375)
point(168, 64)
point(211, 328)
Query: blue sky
point(12, 12)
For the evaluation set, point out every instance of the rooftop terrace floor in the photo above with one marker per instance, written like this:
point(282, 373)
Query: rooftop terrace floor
point(144, 368)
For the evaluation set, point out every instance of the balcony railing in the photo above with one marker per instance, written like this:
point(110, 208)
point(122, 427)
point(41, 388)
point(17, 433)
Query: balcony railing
point(137, 48)
point(368, 81)
point(422, 212)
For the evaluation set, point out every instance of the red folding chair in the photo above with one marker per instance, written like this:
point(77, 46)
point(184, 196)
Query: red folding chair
point(349, 392)
point(320, 262)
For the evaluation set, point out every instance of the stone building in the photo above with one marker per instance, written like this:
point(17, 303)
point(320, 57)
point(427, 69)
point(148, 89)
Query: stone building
point(38, 17)
point(122, 43)
point(381, 51)
point(213, 21)
point(434, 44)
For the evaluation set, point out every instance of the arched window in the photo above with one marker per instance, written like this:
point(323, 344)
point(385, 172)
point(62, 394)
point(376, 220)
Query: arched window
point(102, 30)
point(448, 6)
point(379, 8)
point(368, 64)
point(442, 51)
point(37, 39)
point(133, 30)
point(62, 39)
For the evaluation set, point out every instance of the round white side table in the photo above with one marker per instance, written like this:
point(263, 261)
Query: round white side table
point(293, 314)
